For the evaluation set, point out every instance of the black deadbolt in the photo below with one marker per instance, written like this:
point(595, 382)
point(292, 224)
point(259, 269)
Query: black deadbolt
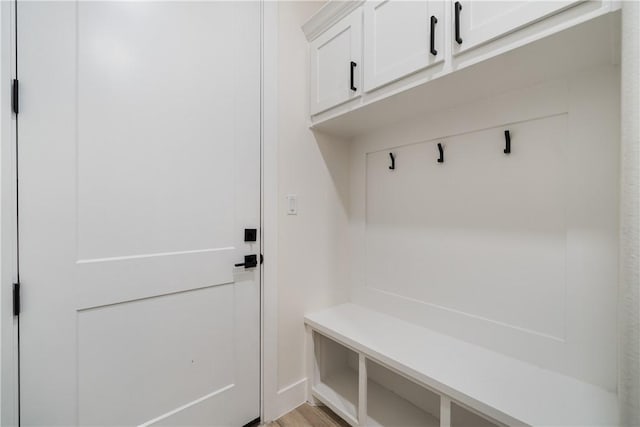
point(250, 234)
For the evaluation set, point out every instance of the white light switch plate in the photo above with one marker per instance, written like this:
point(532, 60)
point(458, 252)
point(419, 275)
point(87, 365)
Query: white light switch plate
point(292, 204)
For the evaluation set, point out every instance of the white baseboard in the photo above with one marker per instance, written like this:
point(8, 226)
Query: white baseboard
point(291, 396)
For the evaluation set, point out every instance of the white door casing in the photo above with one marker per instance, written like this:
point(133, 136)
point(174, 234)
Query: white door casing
point(139, 157)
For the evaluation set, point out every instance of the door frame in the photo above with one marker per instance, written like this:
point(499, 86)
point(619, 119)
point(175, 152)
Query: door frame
point(9, 390)
point(269, 214)
point(9, 363)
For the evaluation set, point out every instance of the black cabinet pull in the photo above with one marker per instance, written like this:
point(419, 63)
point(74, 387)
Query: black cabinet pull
point(434, 21)
point(353, 67)
point(458, 7)
point(507, 142)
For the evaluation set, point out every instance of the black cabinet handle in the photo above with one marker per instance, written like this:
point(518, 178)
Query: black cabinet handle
point(507, 142)
point(458, 7)
point(353, 67)
point(434, 21)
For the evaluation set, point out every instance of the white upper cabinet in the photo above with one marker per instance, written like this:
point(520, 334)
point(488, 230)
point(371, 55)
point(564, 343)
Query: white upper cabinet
point(478, 22)
point(336, 63)
point(379, 61)
point(400, 38)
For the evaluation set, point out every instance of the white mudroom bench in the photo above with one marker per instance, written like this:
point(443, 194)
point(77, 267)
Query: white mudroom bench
point(374, 369)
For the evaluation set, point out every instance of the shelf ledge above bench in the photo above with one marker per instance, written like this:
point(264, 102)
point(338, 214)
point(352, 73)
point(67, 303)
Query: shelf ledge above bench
point(508, 390)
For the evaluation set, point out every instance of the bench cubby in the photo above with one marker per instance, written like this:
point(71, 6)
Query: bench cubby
point(393, 400)
point(335, 378)
point(464, 417)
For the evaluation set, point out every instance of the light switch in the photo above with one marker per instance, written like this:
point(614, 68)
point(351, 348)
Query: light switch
point(292, 204)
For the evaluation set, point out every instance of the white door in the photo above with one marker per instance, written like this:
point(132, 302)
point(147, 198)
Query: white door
point(478, 22)
point(139, 151)
point(401, 37)
point(336, 64)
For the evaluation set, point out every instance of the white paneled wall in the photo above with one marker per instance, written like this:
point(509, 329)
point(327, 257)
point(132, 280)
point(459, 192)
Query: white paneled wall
point(514, 252)
point(483, 233)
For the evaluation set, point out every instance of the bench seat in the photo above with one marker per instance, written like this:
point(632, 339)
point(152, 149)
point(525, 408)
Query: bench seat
point(502, 388)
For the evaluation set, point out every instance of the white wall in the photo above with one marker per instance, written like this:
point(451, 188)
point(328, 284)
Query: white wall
point(312, 270)
point(629, 306)
point(519, 253)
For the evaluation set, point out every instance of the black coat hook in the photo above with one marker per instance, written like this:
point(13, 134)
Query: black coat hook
point(441, 158)
point(507, 142)
point(393, 161)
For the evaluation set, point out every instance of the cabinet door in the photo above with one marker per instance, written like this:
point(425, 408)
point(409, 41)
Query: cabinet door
point(336, 63)
point(477, 22)
point(401, 37)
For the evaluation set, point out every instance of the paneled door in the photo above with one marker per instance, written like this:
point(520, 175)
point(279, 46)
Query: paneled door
point(139, 170)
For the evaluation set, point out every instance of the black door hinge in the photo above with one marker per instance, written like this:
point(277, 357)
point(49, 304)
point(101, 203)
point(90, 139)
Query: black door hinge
point(261, 259)
point(16, 299)
point(14, 96)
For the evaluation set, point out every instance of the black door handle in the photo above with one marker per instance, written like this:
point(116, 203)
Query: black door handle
point(353, 67)
point(250, 261)
point(458, 7)
point(434, 21)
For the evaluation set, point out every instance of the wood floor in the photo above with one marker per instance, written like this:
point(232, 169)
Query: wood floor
point(309, 416)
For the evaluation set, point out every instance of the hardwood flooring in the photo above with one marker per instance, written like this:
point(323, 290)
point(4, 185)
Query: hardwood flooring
point(309, 416)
